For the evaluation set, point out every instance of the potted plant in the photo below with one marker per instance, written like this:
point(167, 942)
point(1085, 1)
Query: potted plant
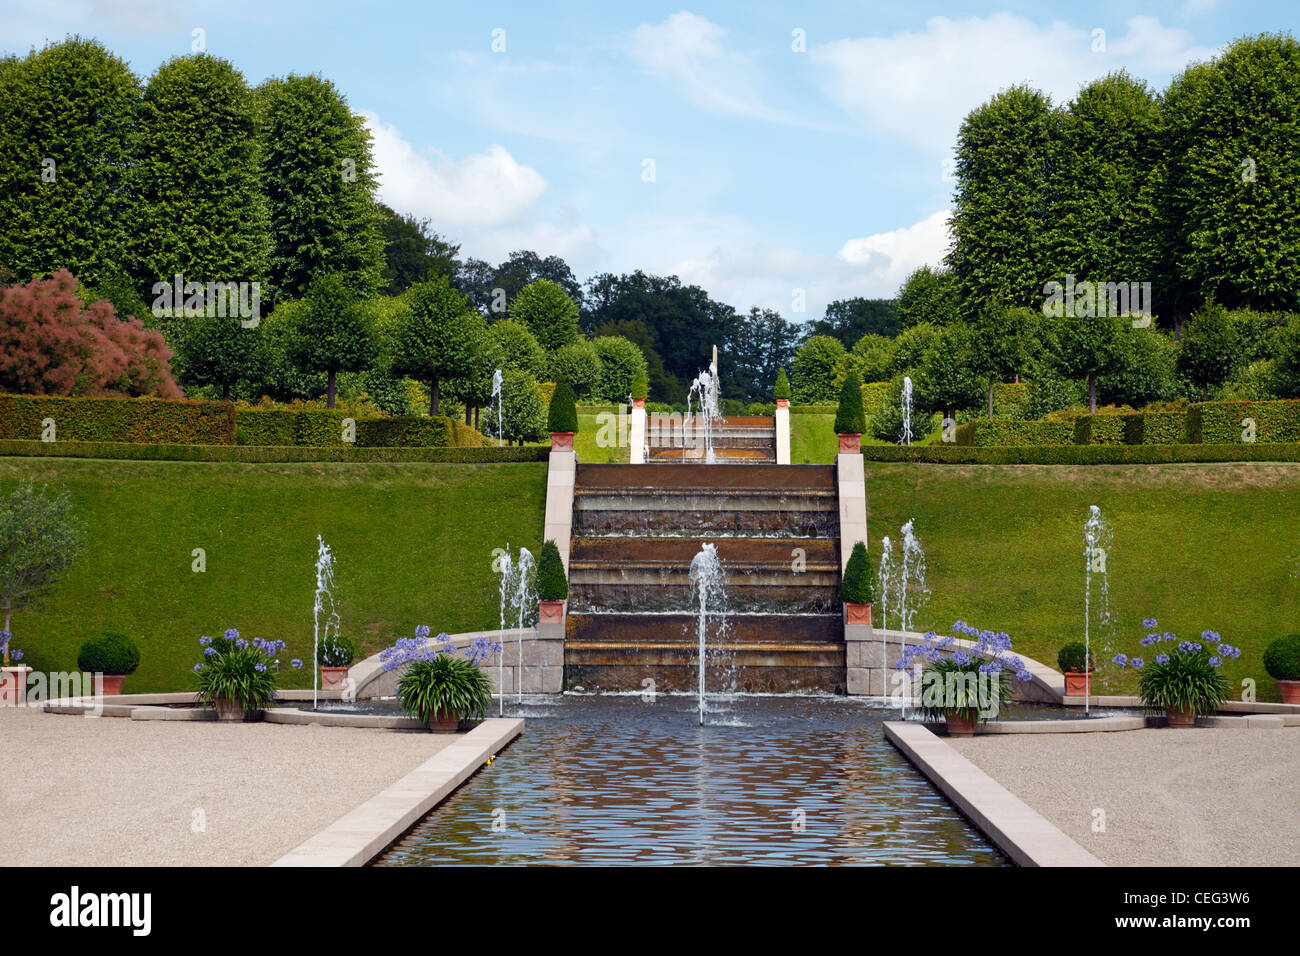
point(850, 420)
point(858, 589)
point(1282, 661)
point(640, 390)
point(336, 655)
point(782, 391)
point(963, 685)
point(13, 676)
point(1182, 678)
point(552, 586)
point(441, 690)
point(111, 657)
point(562, 417)
point(1076, 665)
point(237, 677)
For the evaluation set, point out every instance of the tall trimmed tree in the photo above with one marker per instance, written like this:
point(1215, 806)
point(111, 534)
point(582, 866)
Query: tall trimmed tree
point(997, 345)
point(1088, 347)
point(1210, 348)
point(432, 341)
point(336, 333)
point(548, 311)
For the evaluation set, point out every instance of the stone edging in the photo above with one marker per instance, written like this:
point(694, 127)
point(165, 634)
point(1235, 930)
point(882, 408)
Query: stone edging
point(359, 836)
point(1018, 830)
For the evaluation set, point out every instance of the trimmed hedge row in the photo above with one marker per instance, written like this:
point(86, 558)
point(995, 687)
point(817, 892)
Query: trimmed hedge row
point(118, 419)
point(1100, 429)
point(1008, 432)
point(136, 451)
point(1080, 454)
point(1221, 422)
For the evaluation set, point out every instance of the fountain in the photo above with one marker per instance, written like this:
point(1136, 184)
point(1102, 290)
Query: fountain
point(705, 389)
point(1097, 539)
point(885, 579)
point(496, 394)
point(707, 582)
point(505, 568)
point(905, 436)
point(524, 600)
point(911, 570)
point(324, 595)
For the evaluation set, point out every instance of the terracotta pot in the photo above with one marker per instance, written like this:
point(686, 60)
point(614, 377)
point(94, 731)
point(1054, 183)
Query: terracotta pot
point(959, 726)
point(13, 684)
point(1076, 683)
point(443, 725)
point(638, 403)
point(333, 678)
point(550, 612)
point(234, 712)
point(851, 444)
point(561, 441)
point(1290, 691)
point(110, 685)
point(1179, 718)
point(783, 403)
point(857, 613)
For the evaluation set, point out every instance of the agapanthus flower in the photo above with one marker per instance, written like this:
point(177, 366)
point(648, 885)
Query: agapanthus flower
point(209, 651)
point(260, 668)
point(422, 631)
point(241, 644)
point(1149, 622)
point(15, 655)
point(1121, 659)
point(1137, 662)
point(1162, 659)
point(1023, 674)
point(1216, 661)
point(204, 641)
point(296, 664)
point(197, 668)
point(232, 634)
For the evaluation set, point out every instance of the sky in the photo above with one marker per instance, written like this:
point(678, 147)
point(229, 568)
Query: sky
point(782, 155)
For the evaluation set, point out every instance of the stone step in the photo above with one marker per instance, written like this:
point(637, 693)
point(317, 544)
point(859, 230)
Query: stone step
point(736, 456)
point(694, 516)
point(816, 593)
point(739, 555)
point(672, 667)
point(723, 478)
point(639, 628)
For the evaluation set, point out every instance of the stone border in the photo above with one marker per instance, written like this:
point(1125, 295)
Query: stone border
point(358, 837)
point(543, 652)
point(1018, 830)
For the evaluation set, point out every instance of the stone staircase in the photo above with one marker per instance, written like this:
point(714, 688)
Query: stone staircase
point(635, 531)
point(750, 440)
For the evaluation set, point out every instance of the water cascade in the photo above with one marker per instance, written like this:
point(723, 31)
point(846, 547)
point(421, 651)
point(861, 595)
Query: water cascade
point(1097, 539)
point(905, 435)
point(323, 607)
point(707, 582)
point(524, 601)
point(496, 395)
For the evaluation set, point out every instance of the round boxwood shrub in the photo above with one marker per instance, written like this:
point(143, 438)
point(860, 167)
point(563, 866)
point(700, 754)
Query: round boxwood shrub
point(859, 584)
point(1072, 658)
point(1282, 658)
point(111, 654)
point(336, 651)
point(782, 389)
point(563, 413)
point(551, 583)
point(849, 417)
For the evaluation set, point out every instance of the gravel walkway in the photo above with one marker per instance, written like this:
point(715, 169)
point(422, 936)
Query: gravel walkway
point(112, 791)
point(1197, 797)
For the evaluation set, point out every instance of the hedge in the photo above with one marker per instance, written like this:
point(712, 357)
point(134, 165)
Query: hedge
point(813, 409)
point(1004, 432)
point(1163, 428)
point(1220, 422)
point(1100, 429)
point(874, 394)
point(434, 432)
point(138, 451)
point(1080, 454)
point(318, 427)
point(118, 419)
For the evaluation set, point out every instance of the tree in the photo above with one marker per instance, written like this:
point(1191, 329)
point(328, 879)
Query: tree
point(578, 364)
point(911, 345)
point(928, 296)
point(871, 357)
point(72, 105)
point(473, 385)
point(1088, 347)
point(1286, 372)
point(1146, 370)
point(850, 319)
point(758, 344)
point(849, 417)
point(524, 267)
point(337, 333)
point(518, 347)
point(202, 210)
point(812, 370)
point(431, 342)
point(997, 345)
point(1210, 349)
point(620, 364)
point(945, 378)
point(548, 311)
point(319, 182)
point(219, 351)
point(523, 407)
point(39, 540)
point(413, 252)
point(53, 343)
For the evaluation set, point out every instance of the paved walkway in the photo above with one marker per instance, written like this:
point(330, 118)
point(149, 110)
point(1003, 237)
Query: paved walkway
point(1198, 797)
point(114, 791)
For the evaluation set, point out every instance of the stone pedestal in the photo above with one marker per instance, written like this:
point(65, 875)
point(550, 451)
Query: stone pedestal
point(636, 438)
point(783, 431)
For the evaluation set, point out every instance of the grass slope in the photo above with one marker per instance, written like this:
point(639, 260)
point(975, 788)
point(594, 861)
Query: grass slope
point(1195, 546)
point(413, 544)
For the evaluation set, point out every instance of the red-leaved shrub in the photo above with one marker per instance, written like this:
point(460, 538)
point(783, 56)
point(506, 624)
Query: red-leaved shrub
point(52, 343)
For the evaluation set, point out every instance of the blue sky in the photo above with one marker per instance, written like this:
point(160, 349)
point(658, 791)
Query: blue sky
point(775, 168)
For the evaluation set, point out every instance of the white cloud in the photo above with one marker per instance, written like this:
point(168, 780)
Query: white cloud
point(884, 260)
point(482, 189)
point(918, 86)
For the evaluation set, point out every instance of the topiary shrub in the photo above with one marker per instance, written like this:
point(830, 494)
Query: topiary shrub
point(336, 651)
point(640, 386)
point(849, 417)
point(782, 389)
point(1074, 658)
point(859, 584)
point(563, 413)
point(551, 583)
point(1282, 658)
point(111, 654)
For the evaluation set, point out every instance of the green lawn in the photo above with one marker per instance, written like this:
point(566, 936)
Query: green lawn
point(813, 440)
point(413, 544)
point(1195, 546)
point(593, 446)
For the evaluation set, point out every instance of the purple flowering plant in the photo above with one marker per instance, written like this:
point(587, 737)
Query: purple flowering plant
point(408, 650)
point(237, 673)
point(7, 653)
point(969, 680)
point(1178, 674)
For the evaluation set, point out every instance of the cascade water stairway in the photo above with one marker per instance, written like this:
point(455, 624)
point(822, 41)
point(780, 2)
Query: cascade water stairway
point(744, 440)
point(635, 531)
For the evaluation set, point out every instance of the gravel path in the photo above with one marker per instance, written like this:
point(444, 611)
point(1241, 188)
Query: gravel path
point(1197, 797)
point(112, 791)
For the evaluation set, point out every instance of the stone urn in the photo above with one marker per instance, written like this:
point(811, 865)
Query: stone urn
point(561, 441)
point(550, 612)
point(110, 685)
point(850, 444)
point(1077, 683)
point(857, 614)
point(1180, 718)
point(960, 725)
point(1290, 690)
point(333, 678)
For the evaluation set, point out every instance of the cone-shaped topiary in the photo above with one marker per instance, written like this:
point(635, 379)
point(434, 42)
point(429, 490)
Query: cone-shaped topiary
point(859, 585)
point(640, 386)
point(782, 385)
point(563, 414)
point(551, 583)
point(849, 417)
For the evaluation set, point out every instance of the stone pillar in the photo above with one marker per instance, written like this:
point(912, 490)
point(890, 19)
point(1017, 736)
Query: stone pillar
point(864, 666)
point(783, 431)
point(560, 476)
point(636, 438)
point(851, 484)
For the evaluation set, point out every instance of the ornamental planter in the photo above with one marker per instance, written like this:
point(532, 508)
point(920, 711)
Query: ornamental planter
point(333, 678)
point(1290, 691)
point(1180, 718)
point(959, 726)
point(234, 712)
point(783, 403)
point(443, 725)
point(550, 612)
point(13, 685)
point(110, 685)
point(638, 403)
point(850, 444)
point(561, 441)
point(857, 613)
point(1076, 683)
